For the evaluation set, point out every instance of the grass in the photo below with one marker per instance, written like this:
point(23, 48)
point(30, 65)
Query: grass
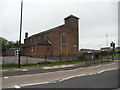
point(98, 62)
point(106, 57)
point(10, 66)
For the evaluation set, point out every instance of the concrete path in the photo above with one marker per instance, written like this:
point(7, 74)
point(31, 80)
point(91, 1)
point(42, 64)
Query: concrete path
point(48, 77)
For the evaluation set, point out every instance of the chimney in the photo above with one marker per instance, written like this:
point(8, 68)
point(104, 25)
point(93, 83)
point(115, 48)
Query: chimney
point(26, 35)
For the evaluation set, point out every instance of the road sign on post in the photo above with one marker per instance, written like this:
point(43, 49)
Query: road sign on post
point(74, 46)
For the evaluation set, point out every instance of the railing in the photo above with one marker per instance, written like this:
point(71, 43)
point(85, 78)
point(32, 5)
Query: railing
point(32, 60)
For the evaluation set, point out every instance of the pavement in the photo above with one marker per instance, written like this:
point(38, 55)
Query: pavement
point(54, 74)
point(44, 69)
point(108, 79)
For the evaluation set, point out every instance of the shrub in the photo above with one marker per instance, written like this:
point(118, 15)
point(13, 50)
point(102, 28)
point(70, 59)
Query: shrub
point(81, 57)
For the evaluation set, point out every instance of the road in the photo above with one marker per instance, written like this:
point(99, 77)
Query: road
point(108, 79)
point(90, 74)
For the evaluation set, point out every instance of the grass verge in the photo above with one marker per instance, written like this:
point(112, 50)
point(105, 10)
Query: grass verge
point(10, 66)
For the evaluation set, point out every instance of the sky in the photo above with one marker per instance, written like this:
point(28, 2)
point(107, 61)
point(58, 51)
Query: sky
point(98, 18)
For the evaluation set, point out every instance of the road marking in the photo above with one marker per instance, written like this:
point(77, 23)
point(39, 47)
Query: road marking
point(24, 70)
point(101, 71)
point(62, 66)
point(60, 80)
point(5, 77)
point(71, 77)
point(105, 70)
point(35, 84)
point(92, 74)
point(17, 86)
point(4, 70)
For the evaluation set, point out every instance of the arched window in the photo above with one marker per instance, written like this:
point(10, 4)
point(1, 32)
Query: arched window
point(64, 38)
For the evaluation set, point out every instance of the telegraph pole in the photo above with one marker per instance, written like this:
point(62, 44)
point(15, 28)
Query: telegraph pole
point(20, 34)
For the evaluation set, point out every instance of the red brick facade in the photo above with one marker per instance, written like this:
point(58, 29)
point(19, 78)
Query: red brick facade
point(54, 42)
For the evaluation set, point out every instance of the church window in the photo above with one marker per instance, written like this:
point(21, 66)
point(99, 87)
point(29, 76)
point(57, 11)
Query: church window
point(64, 38)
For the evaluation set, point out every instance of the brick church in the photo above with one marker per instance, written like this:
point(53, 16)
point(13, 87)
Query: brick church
point(62, 40)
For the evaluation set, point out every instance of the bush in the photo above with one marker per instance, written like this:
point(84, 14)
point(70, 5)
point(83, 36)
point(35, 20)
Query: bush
point(82, 58)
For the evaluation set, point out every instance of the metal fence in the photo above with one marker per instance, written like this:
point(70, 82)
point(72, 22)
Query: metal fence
point(31, 60)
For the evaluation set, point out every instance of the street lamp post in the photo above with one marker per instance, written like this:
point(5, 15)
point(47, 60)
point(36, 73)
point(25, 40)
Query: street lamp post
point(20, 34)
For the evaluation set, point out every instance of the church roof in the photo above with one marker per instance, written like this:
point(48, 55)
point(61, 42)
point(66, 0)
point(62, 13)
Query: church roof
point(47, 31)
point(43, 42)
point(71, 16)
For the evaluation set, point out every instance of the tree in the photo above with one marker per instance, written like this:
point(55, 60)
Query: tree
point(3, 43)
point(8, 44)
point(16, 44)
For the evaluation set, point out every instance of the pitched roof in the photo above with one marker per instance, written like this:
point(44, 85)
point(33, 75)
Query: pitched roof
point(105, 48)
point(71, 16)
point(26, 46)
point(117, 47)
point(47, 31)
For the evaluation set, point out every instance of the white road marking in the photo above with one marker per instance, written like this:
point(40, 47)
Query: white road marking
point(92, 74)
point(105, 70)
point(53, 67)
point(52, 81)
point(65, 78)
point(17, 86)
point(4, 70)
point(71, 77)
point(5, 77)
point(101, 71)
point(24, 69)
point(34, 84)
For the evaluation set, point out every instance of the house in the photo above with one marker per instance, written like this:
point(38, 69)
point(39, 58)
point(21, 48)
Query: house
point(105, 49)
point(118, 49)
point(11, 52)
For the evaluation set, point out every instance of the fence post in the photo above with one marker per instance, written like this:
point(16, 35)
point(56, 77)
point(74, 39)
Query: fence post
point(112, 57)
point(101, 59)
point(3, 61)
point(86, 62)
point(60, 57)
point(45, 57)
point(26, 59)
point(94, 61)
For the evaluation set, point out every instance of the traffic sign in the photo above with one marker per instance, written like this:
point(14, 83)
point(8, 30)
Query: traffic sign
point(74, 46)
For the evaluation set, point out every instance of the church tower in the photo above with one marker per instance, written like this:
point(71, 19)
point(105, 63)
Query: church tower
point(72, 24)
